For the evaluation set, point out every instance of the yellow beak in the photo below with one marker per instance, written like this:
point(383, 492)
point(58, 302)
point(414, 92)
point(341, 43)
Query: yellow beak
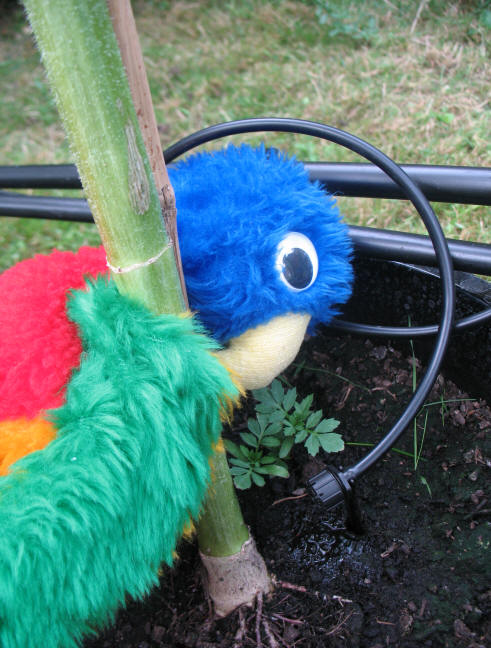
point(260, 354)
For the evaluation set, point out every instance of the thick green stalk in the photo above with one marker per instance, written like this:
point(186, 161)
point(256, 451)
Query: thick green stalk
point(83, 64)
point(221, 528)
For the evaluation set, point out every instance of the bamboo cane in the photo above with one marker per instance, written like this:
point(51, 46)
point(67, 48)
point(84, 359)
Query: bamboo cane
point(221, 529)
point(131, 54)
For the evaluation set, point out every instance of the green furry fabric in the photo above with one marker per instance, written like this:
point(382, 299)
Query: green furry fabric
point(87, 521)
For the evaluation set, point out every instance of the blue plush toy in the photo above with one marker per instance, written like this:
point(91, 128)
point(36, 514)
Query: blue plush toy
point(260, 245)
point(238, 212)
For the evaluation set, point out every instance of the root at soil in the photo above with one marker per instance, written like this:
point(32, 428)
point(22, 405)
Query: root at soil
point(232, 581)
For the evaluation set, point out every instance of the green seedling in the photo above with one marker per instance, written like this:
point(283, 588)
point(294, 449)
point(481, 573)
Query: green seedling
point(280, 423)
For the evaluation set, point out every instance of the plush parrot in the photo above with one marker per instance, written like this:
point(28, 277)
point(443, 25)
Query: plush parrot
point(109, 414)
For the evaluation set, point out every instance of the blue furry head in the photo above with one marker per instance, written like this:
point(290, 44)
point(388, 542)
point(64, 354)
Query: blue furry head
point(243, 202)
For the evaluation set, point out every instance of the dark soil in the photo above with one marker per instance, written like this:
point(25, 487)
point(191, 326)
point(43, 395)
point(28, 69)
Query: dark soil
point(418, 576)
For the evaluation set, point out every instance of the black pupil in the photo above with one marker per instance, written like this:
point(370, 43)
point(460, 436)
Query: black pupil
point(297, 268)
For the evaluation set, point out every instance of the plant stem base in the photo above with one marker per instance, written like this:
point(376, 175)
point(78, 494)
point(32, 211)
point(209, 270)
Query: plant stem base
point(236, 580)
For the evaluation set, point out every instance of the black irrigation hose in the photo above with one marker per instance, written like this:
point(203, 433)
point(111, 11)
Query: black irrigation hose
point(477, 319)
point(417, 249)
point(452, 184)
point(339, 487)
point(390, 245)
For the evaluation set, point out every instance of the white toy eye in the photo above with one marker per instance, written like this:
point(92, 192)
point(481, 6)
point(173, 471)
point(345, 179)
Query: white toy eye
point(297, 262)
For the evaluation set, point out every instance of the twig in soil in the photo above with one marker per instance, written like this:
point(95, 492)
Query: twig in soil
point(340, 404)
point(287, 499)
point(477, 513)
point(422, 609)
point(241, 630)
point(384, 389)
point(286, 619)
point(296, 588)
point(339, 625)
point(340, 599)
point(272, 641)
point(259, 614)
point(304, 590)
point(332, 529)
point(478, 510)
point(278, 637)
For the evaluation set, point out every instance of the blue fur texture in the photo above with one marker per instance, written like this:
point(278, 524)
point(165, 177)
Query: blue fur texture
point(233, 209)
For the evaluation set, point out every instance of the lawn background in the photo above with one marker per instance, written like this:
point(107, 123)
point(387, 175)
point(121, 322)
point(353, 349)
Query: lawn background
point(412, 78)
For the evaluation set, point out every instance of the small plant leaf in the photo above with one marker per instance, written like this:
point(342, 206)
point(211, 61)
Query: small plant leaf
point(273, 429)
point(277, 391)
point(312, 445)
point(263, 396)
point(331, 442)
point(239, 462)
point(266, 408)
point(233, 449)
point(243, 482)
point(250, 439)
point(289, 399)
point(313, 419)
point(327, 425)
point(262, 419)
point(236, 470)
point(270, 442)
point(302, 408)
point(425, 483)
point(289, 429)
point(301, 436)
point(257, 479)
point(277, 416)
point(286, 446)
point(268, 459)
point(254, 427)
point(274, 469)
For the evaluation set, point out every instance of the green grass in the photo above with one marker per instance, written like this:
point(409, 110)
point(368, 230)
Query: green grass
point(419, 90)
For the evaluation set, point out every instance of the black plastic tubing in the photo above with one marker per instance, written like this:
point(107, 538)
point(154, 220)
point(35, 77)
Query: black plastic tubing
point(455, 184)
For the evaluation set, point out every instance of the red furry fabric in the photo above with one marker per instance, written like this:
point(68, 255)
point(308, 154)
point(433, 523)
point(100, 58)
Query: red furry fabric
point(39, 346)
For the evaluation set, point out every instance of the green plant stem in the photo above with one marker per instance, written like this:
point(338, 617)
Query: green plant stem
point(221, 528)
point(83, 64)
point(371, 445)
point(300, 366)
point(445, 401)
point(420, 450)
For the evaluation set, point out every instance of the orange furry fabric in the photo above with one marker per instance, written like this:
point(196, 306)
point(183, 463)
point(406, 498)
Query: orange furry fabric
point(22, 436)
